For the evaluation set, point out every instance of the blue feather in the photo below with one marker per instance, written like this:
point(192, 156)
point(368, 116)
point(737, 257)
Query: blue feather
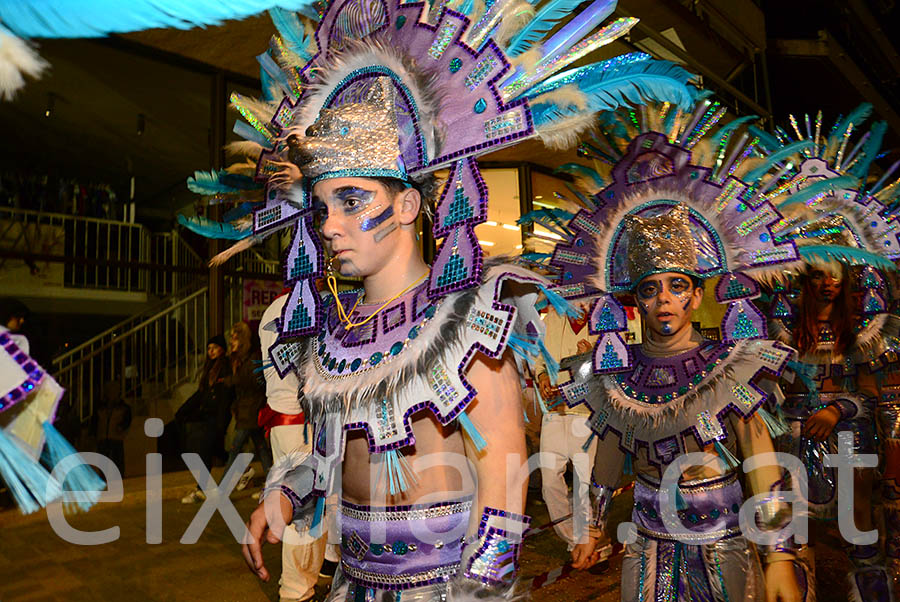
point(848, 254)
point(817, 188)
point(240, 211)
point(211, 229)
point(212, 182)
point(766, 140)
point(582, 170)
point(776, 157)
point(292, 32)
point(577, 74)
point(729, 127)
point(857, 116)
point(545, 19)
point(467, 8)
point(636, 84)
point(869, 151)
point(97, 18)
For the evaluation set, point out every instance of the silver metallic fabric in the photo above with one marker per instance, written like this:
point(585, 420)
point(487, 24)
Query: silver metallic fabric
point(672, 571)
point(660, 244)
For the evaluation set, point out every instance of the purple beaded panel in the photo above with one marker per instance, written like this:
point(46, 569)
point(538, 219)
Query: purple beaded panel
point(734, 286)
point(458, 263)
point(496, 560)
point(305, 257)
point(31, 370)
point(611, 354)
point(302, 313)
point(654, 169)
point(607, 315)
point(743, 321)
point(279, 211)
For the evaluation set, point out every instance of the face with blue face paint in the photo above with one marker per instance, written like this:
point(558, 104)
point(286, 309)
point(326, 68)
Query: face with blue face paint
point(667, 301)
point(360, 220)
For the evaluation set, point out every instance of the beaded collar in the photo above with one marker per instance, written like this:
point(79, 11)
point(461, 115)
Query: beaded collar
point(340, 353)
point(661, 379)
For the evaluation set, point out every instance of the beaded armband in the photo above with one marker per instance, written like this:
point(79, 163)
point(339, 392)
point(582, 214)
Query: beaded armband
point(297, 484)
point(602, 496)
point(846, 407)
point(774, 515)
point(492, 556)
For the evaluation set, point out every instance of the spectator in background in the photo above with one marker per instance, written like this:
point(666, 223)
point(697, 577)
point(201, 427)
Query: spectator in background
point(204, 416)
point(13, 314)
point(249, 398)
point(111, 423)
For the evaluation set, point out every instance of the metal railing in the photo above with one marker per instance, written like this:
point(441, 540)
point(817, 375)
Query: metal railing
point(106, 244)
point(169, 248)
point(149, 359)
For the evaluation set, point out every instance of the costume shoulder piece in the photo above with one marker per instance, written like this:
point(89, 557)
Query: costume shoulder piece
point(414, 354)
point(28, 401)
point(664, 400)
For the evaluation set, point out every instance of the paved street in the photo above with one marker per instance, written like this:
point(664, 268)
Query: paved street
point(36, 565)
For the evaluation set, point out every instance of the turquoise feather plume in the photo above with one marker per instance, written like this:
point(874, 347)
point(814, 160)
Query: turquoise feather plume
point(869, 151)
point(576, 169)
point(98, 18)
point(212, 229)
point(817, 188)
point(292, 32)
point(766, 140)
point(857, 116)
point(634, 84)
point(777, 157)
point(731, 126)
point(545, 20)
point(848, 254)
point(218, 182)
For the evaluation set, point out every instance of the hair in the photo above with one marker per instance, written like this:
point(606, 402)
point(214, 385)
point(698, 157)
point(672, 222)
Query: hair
point(806, 332)
point(11, 308)
point(245, 344)
point(213, 370)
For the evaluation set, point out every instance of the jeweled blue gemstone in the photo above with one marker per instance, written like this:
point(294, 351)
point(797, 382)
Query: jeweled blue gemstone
point(579, 243)
point(714, 513)
point(735, 508)
point(342, 365)
point(480, 105)
point(503, 547)
point(413, 332)
point(376, 548)
point(355, 364)
point(396, 348)
point(376, 357)
point(652, 513)
point(331, 363)
point(399, 548)
point(695, 175)
point(693, 518)
point(401, 21)
point(455, 65)
point(567, 276)
point(764, 237)
point(429, 311)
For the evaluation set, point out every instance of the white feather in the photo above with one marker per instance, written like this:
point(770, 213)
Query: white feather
point(243, 148)
point(563, 134)
point(17, 59)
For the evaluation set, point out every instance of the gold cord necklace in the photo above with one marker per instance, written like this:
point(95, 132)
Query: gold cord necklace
point(342, 314)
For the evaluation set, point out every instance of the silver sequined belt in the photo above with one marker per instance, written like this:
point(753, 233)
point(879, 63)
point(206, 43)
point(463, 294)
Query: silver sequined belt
point(404, 514)
point(407, 581)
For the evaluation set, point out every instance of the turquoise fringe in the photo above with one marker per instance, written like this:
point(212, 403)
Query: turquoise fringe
point(526, 348)
point(559, 303)
point(316, 527)
point(627, 467)
point(472, 431)
point(726, 456)
point(550, 362)
point(680, 503)
point(82, 486)
point(397, 469)
point(30, 484)
point(776, 426)
point(540, 400)
point(587, 444)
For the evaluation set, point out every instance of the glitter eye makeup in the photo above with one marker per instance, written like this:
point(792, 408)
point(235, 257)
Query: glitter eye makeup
point(354, 199)
point(370, 223)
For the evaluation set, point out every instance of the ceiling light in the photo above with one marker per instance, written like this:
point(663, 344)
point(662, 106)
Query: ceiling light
point(486, 243)
point(552, 235)
point(512, 227)
point(490, 223)
point(518, 247)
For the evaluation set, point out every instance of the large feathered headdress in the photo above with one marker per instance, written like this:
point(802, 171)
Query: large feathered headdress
point(463, 79)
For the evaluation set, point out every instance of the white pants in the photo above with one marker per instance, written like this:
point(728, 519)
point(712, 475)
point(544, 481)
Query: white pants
point(563, 439)
point(301, 555)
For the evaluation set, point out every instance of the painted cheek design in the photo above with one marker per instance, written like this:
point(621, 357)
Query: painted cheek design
point(370, 223)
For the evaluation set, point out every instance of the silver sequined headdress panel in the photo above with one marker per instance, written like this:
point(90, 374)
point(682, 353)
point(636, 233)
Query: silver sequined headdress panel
point(660, 244)
point(359, 136)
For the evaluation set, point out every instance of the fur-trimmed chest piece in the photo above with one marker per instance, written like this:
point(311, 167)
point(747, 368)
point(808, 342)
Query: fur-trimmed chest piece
point(339, 352)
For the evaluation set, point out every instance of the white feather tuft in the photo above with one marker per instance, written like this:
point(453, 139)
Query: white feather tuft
point(516, 15)
point(17, 59)
point(244, 148)
point(563, 134)
point(238, 247)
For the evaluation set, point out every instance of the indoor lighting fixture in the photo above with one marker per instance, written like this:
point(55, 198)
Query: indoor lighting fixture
point(486, 243)
point(512, 227)
point(518, 247)
point(490, 223)
point(552, 235)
